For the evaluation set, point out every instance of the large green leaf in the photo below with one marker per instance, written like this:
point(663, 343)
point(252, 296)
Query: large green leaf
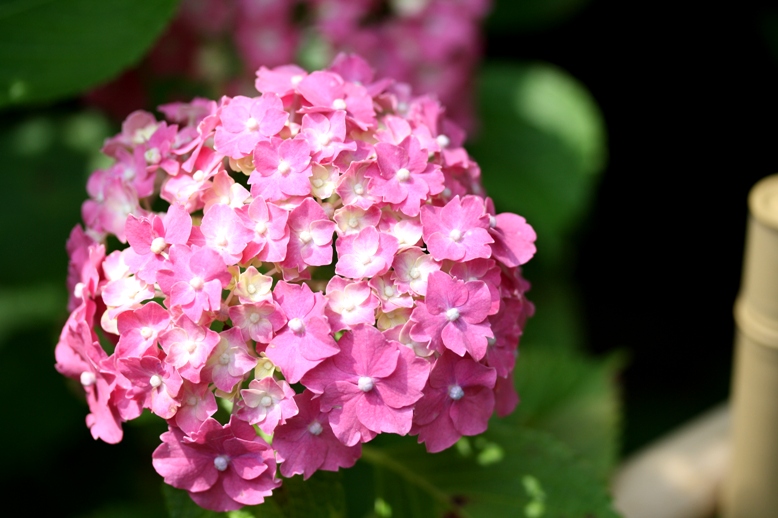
point(540, 148)
point(508, 471)
point(54, 48)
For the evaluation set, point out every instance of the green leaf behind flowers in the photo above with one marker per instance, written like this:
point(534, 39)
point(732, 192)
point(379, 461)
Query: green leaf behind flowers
point(51, 49)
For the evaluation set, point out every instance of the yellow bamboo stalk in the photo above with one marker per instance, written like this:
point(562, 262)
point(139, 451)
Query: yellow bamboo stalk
point(752, 483)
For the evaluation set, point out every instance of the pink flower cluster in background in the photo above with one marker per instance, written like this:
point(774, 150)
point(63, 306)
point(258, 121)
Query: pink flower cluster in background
point(321, 257)
point(433, 45)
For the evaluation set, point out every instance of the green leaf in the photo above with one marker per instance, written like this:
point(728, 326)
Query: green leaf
point(51, 49)
point(321, 495)
point(508, 471)
point(541, 147)
point(574, 398)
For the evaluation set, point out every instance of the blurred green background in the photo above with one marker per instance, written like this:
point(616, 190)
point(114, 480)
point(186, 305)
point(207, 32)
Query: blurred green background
point(628, 134)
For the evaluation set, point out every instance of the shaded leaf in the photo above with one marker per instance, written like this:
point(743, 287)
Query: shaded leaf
point(574, 398)
point(55, 48)
point(462, 481)
point(541, 147)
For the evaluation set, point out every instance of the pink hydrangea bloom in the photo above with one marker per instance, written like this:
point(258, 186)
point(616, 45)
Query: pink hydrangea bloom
point(267, 403)
point(458, 400)
point(454, 316)
point(306, 443)
point(222, 467)
point(363, 286)
point(370, 386)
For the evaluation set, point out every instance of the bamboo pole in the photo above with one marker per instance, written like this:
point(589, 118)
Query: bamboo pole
point(752, 485)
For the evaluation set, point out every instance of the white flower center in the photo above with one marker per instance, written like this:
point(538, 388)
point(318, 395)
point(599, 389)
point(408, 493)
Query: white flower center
point(252, 124)
point(268, 365)
point(317, 182)
point(254, 318)
point(224, 359)
point(455, 235)
point(146, 332)
point(251, 289)
point(388, 291)
point(338, 104)
point(415, 273)
point(197, 283)
point(158, 245)
point(78, 290)
point(88, 378)
point(222, 461)
point(260, 228)
point(296, 325)
point(191, 400)
point(266, 401)
point(295, 80)
point(191, 346)
point(455, 392)
point(353, 222)
point(359, 188)
point(324, 139)
point(198, 175)
point(443, 141)
point(284, 167)
point(315, 428)
point(155, 381)
point(305, 236)
point(446, 192)
point(452, 314)
point(365, 383)
point(221, 241)
point(492, 221)
point(402, 175)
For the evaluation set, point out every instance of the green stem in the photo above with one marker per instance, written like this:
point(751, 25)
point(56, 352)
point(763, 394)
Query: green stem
point(378, 458)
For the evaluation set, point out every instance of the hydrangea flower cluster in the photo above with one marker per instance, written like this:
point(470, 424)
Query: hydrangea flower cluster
point(433, 45)
point(320, 256)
